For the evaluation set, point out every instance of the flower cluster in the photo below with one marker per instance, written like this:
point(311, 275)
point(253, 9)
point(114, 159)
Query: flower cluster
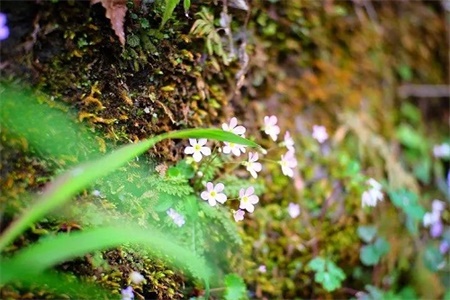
point(214, 193)
point(373, 194)
point(247, 197)
point(433, 218)
point(176, 217)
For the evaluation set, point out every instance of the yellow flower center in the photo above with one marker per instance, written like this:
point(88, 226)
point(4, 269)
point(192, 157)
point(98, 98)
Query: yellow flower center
point(197, 147)
point(213, 193)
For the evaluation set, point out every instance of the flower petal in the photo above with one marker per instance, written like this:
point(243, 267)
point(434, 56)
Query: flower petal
point(204, 195)
point(222, 198)
point(250, 191)
point(253, 199)
point(239, 130)
point(205, 151)
point(212, 201)
point(241, 192)
point(219, 187)
point(189, 150)
point(233, 123)
point(197, 156)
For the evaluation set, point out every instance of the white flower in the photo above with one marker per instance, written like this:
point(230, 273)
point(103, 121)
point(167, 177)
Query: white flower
point(294, 210)
point(252, 165)
point(431, 218)
point(197, 149)
point(320, 133)
point(271, 128)
point(262, 269)
point(434, 217)
point(442, 150)
point(248, 199)
point(437, 205)
point(232, 127)
point(372, 195)
point(288, 163)
point(176, 217)
point(374, 184)
point(127, 294)
point(239, 215)
point(236, 149)
point(288, 141)
point(136, 277)
point(213, 194)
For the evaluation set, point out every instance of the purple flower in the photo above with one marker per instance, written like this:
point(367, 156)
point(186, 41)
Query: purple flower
point(444, 247)
point(127, 294)
point(4, 30)
point(436, 229)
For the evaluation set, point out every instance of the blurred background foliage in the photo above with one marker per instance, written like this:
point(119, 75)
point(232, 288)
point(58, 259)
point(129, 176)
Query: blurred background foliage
point(368, 71)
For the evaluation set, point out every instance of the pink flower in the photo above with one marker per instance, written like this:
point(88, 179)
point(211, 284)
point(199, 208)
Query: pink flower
point(288, 162)
point(248, 199)
point(232, 127)
point(213, 194)
point(197, 149)
point(239, 215)
point(288, 141)
point(320, 133)
point(252, 165)
point(271, 128)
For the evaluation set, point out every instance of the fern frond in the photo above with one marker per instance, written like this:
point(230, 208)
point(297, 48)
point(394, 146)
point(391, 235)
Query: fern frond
point(223, 217)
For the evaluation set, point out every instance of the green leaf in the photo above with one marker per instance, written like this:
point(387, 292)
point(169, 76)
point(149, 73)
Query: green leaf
point(382, 246)
point(369, 255)
point(165, 201)
point(51, 251)
point(317, 264)
point(235, 288)
point(191, 207)
point(409, 137)
point(182, 168)
point(367, 233)
point(416, 212)
point(335, 271)
point(168, 11)
point(186, 5)
point(68, 285)
point(432, 258)
point(77, 179)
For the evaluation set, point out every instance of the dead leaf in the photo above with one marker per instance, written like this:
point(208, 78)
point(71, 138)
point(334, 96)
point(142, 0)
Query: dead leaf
point(115, 11)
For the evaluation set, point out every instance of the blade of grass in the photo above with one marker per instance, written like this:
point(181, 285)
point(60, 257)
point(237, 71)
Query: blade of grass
point(65, 285)
point(51, 251)
point(77, 179)
point(168, 10)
